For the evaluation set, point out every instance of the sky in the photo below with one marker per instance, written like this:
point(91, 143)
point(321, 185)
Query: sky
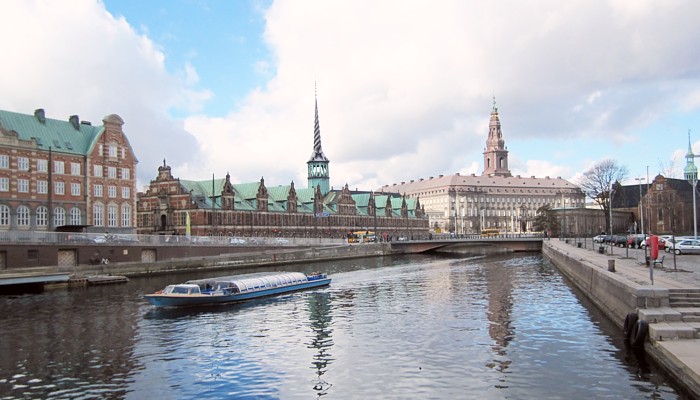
point(404, 89)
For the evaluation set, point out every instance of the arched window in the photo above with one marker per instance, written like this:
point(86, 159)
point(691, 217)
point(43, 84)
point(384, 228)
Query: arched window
point(59, 216)
point(4, 215)
point(42, 216)
point(23, 216)
point(75, 216)
point(98, 212)
point(112, 215)
point(126, 215)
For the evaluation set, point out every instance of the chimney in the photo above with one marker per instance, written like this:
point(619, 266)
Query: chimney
point(75, 121)
point(40, 116)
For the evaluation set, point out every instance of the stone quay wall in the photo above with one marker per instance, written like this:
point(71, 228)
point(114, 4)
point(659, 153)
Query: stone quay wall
point(234, 260)
point(614, 295)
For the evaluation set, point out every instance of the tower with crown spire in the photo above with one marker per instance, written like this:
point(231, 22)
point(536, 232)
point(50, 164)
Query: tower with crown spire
point(318, 174)
point(495, 153)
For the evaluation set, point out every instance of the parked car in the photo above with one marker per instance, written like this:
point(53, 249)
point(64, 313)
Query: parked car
point(235, 240)
point(124, 239)
point(619, 240)
point(281, 241)
point(669, 244)
point(100, 239)
point(635, 241)
point(78, 238)
point(598, 238)
point(202, 240)
point(687, 246)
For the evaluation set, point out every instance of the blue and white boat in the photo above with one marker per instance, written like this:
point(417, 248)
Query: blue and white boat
point(234, 288)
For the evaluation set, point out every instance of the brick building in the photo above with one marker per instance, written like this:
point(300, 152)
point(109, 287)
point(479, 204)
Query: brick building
point(218, 207)
point(65, 175)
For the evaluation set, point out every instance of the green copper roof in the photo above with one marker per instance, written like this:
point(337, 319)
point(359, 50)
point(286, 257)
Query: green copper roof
point(61, 136)
point(245, 197)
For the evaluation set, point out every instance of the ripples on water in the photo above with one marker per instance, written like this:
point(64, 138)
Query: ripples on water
point(493, 328)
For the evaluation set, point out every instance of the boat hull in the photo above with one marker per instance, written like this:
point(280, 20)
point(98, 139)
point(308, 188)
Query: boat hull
point(181, 300)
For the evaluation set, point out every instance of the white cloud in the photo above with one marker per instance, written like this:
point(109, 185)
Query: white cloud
point(404, 91)
point(400, 87)
point(82, 60)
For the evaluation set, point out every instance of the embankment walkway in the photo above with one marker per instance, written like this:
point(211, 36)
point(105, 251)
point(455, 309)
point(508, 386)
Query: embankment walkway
point(671, 305)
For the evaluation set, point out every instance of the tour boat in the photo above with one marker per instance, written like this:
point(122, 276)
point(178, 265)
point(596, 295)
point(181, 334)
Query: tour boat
point(234, 288)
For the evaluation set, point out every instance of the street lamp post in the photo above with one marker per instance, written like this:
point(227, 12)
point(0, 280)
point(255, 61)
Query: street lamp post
point(610, 193)
point(641, 215)
point(691, 175)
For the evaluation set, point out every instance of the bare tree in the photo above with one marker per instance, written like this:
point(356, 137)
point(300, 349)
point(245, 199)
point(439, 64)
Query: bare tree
point(670, 169)
point(598, 181)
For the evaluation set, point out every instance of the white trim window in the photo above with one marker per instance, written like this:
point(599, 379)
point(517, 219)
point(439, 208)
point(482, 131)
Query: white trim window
point(97, 190)
point(59, 188)
point(23, 216)
point(112, 215)
point(112, 172)
point(111, 192)
point(23, 163)
point(126, 192)
point(97, 170)
point(4, 184)
point(59, 167)
point(4, 215)
point(59, 216)
point(126, 215)
point(126, 173)
point(75, 218)
point(112, 150)
point(98, 213)
point(75, 189)
point(75, 168)
point(4, 161)
point(42, 165)
point(42, 187)
point(42, 216)
point(23, 185)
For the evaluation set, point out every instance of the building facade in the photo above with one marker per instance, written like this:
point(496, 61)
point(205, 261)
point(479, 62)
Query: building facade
point(66, 175)
point(467, 204)
point(218, 207)
point(666, 206)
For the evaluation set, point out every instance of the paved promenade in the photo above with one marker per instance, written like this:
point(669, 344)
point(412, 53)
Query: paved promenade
point(680, 357)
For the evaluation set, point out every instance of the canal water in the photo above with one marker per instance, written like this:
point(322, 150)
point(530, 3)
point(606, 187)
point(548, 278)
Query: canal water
point(504, 327)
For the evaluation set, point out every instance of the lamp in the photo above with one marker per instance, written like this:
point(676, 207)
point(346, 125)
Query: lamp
point(691, 175)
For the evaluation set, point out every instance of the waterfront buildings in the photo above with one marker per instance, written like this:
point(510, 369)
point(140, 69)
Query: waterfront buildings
point(65, 175)
point(667, 205)
point(465, 204)
point(219, 207)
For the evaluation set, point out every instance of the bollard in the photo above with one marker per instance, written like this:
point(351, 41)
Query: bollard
point(601, 249)
point(611, 265)
point(578, 245)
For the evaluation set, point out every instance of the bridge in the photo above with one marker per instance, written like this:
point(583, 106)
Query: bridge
point(471, 244)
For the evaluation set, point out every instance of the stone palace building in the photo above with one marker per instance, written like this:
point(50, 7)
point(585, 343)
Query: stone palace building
point(467, 204)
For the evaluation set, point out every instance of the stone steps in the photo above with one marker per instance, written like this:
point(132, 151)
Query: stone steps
point(684, 298)
point(672, 323)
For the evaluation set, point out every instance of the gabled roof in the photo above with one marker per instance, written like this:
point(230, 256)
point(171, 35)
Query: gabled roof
point(61, 136)
point(245, 197)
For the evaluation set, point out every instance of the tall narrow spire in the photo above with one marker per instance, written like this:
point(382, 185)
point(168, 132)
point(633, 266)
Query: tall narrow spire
point(317, 154)
point(318, 175)
point(690, 149)
point(495, 153)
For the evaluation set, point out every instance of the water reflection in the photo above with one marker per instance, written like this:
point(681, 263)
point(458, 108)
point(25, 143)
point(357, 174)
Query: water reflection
point(499, 287)
point(321, 340)
point(440, 327)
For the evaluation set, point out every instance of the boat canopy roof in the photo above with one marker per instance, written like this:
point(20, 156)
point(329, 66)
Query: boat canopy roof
point(253, 281)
